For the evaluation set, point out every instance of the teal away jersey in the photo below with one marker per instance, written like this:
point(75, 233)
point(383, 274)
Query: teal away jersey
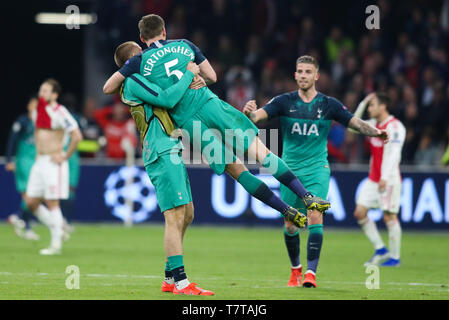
point(305, 127)
point(164, 62)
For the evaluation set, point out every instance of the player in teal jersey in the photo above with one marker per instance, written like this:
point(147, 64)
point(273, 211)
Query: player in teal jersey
point(164, 63)
point(306, 116)
point(161, 150)
point(21, 146)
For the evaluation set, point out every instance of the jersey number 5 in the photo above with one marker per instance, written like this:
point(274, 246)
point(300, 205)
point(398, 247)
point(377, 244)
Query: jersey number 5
point(170, 64)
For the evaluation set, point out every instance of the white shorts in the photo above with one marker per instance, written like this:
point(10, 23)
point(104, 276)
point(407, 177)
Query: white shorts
point(389, 200)
point(48, 179)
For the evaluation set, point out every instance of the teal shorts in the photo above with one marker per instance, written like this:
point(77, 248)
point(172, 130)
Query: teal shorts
point(22, 173)
point(315, 181)
point(170, 180)
point(221, 132)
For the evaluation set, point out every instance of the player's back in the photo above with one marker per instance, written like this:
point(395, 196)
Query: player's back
point(164, 63)
point(25, 143)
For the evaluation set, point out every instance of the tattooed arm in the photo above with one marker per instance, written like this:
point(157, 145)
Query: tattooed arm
point(366, 129)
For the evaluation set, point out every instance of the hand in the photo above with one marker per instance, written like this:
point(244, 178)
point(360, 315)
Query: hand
point(382, 184)
point(249, 107)
point(383, 134)
point(198, 82)
point(193, 67)
point(369, 97)
point(58, 157)
point(10, 166)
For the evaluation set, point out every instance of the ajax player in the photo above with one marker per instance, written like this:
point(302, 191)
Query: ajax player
point(383, 187)
point(49, 176)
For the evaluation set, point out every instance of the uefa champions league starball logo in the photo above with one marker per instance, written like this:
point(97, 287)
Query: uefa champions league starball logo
point(129, 188)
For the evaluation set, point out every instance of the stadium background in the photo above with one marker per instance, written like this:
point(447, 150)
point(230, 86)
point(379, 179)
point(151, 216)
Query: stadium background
point(253, 46)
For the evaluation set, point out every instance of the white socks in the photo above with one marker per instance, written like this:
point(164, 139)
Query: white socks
point(56, 230)
point(370, 229)
point(394, 235)
point(43, 215)
point(54, 221)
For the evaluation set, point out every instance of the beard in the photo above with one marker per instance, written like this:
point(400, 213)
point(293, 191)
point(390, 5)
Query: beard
point(305, 86)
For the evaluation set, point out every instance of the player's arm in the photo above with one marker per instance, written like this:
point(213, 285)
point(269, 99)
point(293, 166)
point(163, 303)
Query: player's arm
point(130, 67)
point(273, 108)
point(149, 92)
point(367, 129)
point(251, 111)
point(361, 109)
point(392, 153)
point(75, 138)
point(206, 70)
point(71, 127)
point(341, 114)
point(113, 84)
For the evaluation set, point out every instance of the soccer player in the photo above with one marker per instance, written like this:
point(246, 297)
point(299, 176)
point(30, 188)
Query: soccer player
point(49, 176)
point(21, 145)
point(170, 178)
point(306, 116)
point(199, 111)
point(383, 187)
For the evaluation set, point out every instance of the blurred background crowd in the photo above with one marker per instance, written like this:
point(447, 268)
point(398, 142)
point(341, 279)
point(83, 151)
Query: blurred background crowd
point(253, 46)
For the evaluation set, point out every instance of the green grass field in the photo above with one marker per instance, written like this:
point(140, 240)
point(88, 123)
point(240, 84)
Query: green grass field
point(236, 263)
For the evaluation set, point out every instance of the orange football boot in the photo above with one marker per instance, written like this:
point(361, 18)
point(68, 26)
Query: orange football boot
point(193, 290)
point(295, 277)
point(309, 280)
point(166, 287)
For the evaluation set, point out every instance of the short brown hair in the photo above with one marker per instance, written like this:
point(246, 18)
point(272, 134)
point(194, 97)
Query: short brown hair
point(308, 59)
point(383, 98)
point(56, 87)
point(151, 26)
point(124, 52)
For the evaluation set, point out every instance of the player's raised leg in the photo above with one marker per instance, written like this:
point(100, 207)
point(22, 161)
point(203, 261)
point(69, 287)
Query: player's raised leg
point(370, 229)
point(221, 158)
point(259, 190)
point(279, 169)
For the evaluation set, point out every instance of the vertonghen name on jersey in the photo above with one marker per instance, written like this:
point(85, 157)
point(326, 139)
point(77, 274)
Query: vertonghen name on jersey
point(161, 53)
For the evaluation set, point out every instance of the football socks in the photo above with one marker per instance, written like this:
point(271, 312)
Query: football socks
point(314, 244)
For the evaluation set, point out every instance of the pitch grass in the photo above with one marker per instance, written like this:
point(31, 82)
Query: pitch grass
point(236, 263)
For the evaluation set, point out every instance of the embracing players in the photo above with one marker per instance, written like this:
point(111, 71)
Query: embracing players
point(206, 119)
point(306, 116)
point(383, 187)
point(163, 162)
point(49, 176)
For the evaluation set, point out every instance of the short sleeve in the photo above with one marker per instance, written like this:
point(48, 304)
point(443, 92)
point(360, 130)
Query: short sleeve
point(274, 107)
point(68, 121)
point(339, 112)
point(131, 66)
point(199, 56)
